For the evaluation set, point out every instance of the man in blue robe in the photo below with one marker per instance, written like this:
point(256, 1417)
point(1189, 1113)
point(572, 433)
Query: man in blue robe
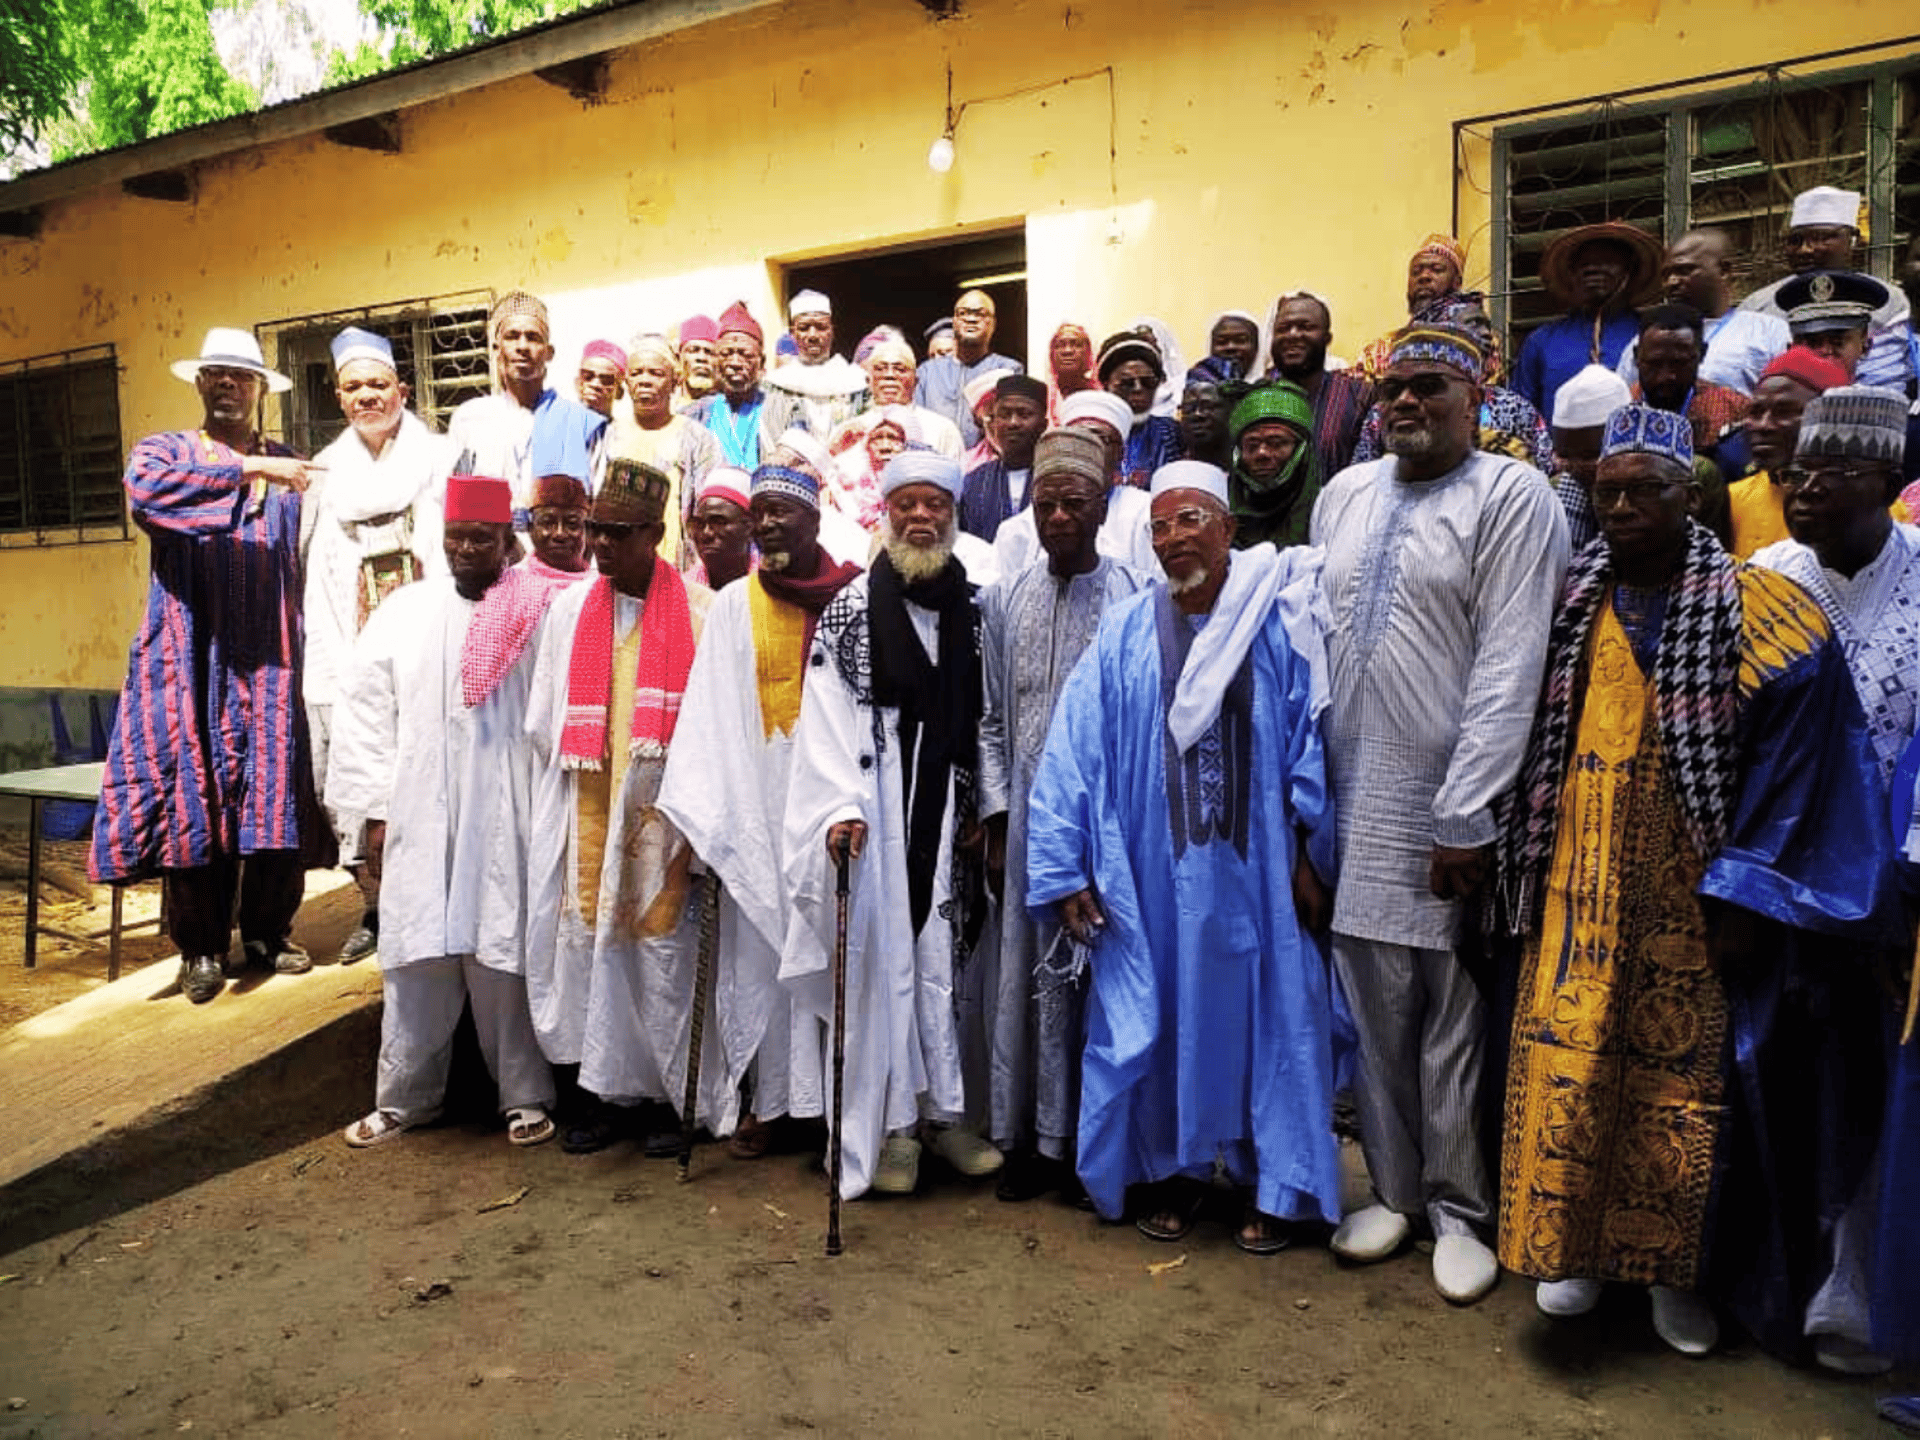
point(1179, 798)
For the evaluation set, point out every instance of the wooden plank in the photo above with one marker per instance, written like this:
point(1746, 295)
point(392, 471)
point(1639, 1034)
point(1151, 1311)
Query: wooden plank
point(611, 27)
point(134, 1050)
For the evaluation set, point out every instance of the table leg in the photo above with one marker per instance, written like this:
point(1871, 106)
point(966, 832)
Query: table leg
point(33, 878)
point(113, 935)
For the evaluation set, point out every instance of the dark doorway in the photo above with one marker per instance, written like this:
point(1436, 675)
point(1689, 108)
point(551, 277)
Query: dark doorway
point(914, 285)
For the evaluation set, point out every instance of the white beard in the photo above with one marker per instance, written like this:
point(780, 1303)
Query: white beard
point(1191, 580)
point(913, 562)
point(775, 560)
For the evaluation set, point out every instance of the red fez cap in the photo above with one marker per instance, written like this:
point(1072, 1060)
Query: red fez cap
point(737, 320)
point(475, 497)
point(699, 327)
point(1797, 362)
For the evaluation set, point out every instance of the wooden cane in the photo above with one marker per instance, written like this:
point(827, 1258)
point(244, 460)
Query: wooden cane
point(840, 861)
point(697, 1030)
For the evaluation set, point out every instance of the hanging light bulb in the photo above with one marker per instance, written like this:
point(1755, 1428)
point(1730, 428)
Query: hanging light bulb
point(940, 154)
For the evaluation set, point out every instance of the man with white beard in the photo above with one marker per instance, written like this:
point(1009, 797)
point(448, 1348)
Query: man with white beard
point(611, 938)
point(726, 788)
point(884, 759)
point(441, 778)
point(369, 524)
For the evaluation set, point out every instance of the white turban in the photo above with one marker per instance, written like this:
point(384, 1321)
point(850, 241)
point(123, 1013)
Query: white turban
point(921, 467)
point(1107, 408)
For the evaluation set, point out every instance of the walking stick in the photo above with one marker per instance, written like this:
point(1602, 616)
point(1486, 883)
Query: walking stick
point(702, 997)
point(839, 1045)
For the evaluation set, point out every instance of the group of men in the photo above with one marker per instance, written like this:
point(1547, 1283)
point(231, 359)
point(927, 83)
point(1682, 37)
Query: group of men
point(1179, 769)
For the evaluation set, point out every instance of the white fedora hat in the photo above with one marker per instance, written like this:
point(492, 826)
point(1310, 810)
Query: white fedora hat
point(236, 350)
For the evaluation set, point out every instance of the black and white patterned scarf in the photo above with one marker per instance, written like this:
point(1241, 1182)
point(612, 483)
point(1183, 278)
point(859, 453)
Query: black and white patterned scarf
point(1696, 705)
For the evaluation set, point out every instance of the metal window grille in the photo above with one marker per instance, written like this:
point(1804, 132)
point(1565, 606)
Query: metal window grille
point(1733, 158)
point(439, 348)
point(60, 450)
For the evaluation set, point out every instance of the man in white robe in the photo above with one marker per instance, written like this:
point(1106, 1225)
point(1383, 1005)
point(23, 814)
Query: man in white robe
point(726, 789)
point(1123, 535)
point(370, 523)
point(1442, 568)
point(611, 945)
point(883, 771)
point(1033, 627)
point(442, 781)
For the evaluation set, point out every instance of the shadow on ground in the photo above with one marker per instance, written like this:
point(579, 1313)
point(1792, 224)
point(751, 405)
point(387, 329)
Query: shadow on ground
point(277, 1104)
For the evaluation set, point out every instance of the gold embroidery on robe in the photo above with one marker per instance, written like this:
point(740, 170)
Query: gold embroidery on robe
point(778, 632)
point(1615, 1093)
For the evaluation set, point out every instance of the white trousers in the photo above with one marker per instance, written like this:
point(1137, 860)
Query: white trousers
point(423, 1004)
point(1422, 1027)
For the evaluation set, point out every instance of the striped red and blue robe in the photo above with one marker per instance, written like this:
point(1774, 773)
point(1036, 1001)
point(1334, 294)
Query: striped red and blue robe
point(210, 756)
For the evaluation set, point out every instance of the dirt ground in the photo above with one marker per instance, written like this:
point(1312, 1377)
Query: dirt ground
point(236, 1270)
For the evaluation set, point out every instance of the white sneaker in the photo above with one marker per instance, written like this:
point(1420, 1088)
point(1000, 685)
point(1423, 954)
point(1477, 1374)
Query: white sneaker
point(1564, 1298)
point(1684, 1320)
point(1848, 1357)
point(966, 1151)
point(899, 1169)
point(1371, 1234)
point(1463, 1268)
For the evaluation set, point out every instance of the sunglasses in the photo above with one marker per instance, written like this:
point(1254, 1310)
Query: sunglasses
point(607, 530)
point(1425, 386)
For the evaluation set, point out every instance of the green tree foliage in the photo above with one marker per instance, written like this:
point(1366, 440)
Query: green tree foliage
point(103, 73)
point(152, 69)
point(37, 75)
point(420, 29)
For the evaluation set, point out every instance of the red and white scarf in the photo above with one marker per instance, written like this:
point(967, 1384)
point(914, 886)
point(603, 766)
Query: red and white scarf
point(666, 657)
point(504, 625)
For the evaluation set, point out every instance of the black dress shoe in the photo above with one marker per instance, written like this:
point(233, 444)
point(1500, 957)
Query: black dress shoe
point(1028, 1176)
point(201, 978)
point(604, 1125)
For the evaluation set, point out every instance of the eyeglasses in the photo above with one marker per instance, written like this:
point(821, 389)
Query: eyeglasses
point(1186, 518)
point(1799, 477)
point(1640, 492)
point(1123, 384)
point(606, 530)
point(1427, 385)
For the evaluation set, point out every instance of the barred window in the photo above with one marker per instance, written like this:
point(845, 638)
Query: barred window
point(439, 348)
point(60, 451)
point(1732, 158)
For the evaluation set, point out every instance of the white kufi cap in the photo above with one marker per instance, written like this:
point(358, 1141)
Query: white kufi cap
point(1825, 205)
point(1191, 475)
point(1588, 398)
point(809, 302)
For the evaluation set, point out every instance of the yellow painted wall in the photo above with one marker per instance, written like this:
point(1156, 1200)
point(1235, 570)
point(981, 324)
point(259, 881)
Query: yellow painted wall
point(1257, 148)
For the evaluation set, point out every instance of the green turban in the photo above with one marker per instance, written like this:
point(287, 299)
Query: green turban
point(1281, 400)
